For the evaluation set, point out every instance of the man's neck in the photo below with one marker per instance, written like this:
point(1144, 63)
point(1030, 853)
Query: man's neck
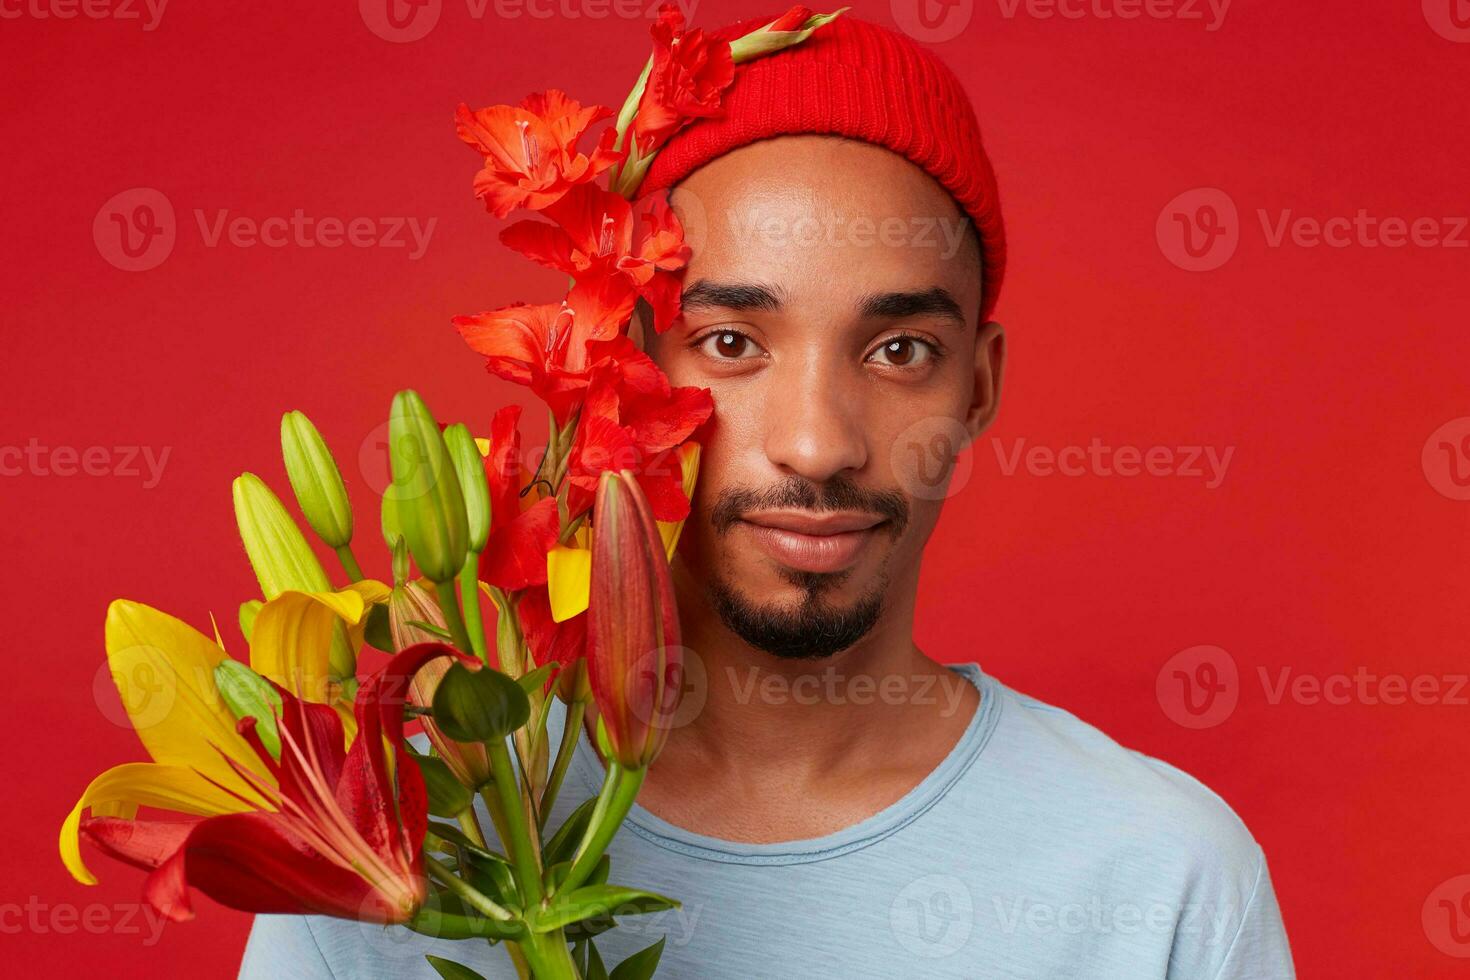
point(772, 748)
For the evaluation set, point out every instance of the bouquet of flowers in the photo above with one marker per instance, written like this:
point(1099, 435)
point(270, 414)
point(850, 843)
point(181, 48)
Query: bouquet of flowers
point(286, 783)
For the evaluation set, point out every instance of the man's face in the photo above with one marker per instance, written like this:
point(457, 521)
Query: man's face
point(830, 305)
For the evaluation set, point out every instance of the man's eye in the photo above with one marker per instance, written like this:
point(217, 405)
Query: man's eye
point(903, 352)
point(728, 345)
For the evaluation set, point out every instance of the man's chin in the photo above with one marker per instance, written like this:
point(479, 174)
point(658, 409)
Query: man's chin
point(812, 627)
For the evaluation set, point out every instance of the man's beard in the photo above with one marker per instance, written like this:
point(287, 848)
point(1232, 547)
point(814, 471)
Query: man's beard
point(814, 628)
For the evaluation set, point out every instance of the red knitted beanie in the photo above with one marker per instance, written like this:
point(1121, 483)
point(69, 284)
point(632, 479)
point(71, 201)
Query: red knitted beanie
point(854, 79)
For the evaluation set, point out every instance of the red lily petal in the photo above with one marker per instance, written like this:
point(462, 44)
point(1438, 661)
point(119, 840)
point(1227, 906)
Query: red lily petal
point(142, 843)
point(515, 556)
point(249, 861)
point(549, 640)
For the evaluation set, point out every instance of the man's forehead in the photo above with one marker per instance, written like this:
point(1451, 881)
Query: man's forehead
point(821, 215)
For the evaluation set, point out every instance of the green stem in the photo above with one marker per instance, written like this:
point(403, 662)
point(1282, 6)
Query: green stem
point(571, 731)
point(613, 803)
point(471, 826)
point(349, 563)
point(549, 956)
point(466, 892)
point(469, 593)
point(450, 604)
point(518, 841)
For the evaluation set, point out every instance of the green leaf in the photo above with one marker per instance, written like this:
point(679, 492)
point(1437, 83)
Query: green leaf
point(448, 797)
point(248, 695)
point(438, 631)
point(248, 611)
point(479, 705)
point(450, 970)
point(563, 843)
point(596, 969)
point(640, 965)
point(535, 680)
point(600, 900)
point(378, 633)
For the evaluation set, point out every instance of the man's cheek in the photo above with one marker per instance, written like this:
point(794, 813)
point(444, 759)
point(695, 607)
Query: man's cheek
point(927, 458)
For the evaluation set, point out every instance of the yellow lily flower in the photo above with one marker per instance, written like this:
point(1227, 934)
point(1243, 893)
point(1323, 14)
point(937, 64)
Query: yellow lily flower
point(182, 720)
point(569, 566)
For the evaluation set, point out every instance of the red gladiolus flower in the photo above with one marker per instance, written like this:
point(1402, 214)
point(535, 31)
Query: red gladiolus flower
point(633, 420)
point(689, 74)
point(791, 20)
point(545, 346)
point(344, 832)
point(530, 151)
point(634, 660)
point(602, 236)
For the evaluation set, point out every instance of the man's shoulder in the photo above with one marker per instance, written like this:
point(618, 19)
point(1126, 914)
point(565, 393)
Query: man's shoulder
point(1073, 777)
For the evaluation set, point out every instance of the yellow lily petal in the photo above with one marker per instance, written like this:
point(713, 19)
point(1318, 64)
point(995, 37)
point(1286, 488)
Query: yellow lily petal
point(119, 792)
point(291, 640)
point(689, 465)
point(164, 671)
point(373, 592)
point(483, 445)
point(569, 576)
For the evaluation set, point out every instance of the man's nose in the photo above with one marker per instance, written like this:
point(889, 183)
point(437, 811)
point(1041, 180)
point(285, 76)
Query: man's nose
point(815, 425)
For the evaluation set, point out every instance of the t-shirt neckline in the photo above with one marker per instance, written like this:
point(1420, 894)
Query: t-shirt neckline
point(886, 822)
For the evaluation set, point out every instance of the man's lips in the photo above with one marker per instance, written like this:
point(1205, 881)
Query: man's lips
point(826, 541)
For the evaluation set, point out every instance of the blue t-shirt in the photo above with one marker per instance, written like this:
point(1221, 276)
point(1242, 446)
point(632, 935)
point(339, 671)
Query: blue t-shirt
point(1039, 848)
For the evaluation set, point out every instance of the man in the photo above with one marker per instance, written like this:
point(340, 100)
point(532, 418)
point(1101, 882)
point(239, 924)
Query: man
point(834, 803)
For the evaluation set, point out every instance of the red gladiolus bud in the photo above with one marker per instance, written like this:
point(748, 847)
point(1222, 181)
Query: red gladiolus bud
point(634, 660)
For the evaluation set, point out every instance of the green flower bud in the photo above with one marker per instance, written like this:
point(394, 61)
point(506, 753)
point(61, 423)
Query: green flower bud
point(277, 549)
point(316, 480)
point(282, 558)
point(248, 695)
point(425, 489)
point(469, 468)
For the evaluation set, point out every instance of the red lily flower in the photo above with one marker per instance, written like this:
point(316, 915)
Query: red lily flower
point(344, 832)
point(634, 660)
point(690, 72)
point(634, 250)
point(530, 151)
point(520, 533)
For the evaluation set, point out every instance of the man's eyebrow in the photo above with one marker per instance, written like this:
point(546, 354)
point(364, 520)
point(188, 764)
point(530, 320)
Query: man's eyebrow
point(926, 302)
point(706, 294)
point(893, 305)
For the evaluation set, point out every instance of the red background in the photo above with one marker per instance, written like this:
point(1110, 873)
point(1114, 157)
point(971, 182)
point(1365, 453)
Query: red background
point(1327, 547)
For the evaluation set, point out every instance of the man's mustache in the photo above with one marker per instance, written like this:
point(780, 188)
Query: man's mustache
point(798, 493)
